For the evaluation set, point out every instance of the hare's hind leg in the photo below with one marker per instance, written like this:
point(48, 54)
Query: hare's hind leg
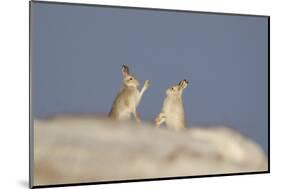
point(160, 119)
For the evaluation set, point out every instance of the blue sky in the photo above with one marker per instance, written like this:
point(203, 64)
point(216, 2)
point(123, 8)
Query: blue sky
point(77, 53)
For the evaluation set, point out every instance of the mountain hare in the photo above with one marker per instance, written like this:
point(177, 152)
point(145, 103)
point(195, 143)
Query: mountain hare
point(173, 109)
point(128, 98)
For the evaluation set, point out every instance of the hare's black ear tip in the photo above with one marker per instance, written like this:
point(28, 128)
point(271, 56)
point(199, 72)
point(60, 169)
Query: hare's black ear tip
point(124, 66)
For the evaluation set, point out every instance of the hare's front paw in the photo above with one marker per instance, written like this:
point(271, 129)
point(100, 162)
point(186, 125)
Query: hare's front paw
point(159, 119)
point(146, 84)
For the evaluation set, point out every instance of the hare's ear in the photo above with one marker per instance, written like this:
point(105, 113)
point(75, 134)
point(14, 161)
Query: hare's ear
point(183, 84)
point(125, 70)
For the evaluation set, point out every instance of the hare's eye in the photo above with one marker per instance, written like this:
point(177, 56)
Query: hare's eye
point(131, 78)
point(172, 88)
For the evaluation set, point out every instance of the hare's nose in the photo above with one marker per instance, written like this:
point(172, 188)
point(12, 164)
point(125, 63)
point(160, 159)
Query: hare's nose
point(186, 81)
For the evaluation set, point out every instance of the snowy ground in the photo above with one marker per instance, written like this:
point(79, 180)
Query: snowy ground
point(85, 149)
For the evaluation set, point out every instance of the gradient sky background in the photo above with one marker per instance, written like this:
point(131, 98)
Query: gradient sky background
point(77, 53)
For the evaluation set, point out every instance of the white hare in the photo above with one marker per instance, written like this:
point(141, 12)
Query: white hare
point(173, 108)
point(128, 98)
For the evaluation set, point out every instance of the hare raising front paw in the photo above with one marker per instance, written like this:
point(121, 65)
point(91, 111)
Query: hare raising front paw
point(128, 98)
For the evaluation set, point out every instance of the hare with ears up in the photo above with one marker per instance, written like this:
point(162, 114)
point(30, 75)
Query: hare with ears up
point(128, 98)
point(173, 109)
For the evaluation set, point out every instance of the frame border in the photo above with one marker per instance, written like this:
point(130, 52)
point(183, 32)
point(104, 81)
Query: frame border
point(31, 138)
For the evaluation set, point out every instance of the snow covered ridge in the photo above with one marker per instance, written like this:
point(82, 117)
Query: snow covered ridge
point(80, 149)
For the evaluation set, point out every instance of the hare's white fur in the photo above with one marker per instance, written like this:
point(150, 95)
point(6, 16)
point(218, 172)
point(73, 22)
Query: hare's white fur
point(173, 108)
point(128, 98)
